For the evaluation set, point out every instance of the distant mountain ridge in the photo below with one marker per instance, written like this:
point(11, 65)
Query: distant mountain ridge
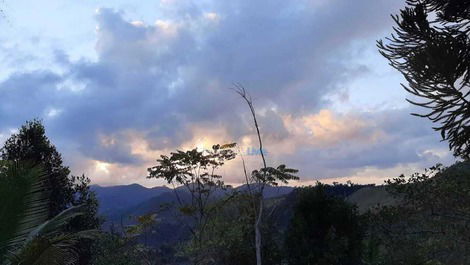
point(121, 204)
point(120, 201)
point(135, 199)
point(119, 198)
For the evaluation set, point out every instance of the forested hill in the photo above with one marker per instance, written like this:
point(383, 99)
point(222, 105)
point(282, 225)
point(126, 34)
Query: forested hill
point(119, 204)
point(135, 199)
point(122, 199)
point(119, 198)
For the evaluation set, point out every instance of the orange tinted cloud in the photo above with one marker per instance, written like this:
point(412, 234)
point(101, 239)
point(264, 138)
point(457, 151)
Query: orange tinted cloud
point(326, 128)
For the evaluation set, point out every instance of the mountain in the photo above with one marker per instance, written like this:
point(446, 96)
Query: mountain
point(115, 199)
point(269, 191)
point(121, 204)
point(372, 196)
point(116, 202)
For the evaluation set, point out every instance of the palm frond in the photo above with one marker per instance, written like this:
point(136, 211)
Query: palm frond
point(23, 202)
point(56, 224)
point(45, 250)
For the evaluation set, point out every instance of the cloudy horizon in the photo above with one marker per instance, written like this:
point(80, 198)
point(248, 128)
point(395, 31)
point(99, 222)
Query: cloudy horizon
point(119, 83)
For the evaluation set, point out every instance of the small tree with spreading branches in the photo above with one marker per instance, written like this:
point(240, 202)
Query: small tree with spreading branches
point(195, 172)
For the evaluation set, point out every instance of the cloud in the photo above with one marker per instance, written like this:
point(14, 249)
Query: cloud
point(388, 140)
point(326, 128)
point(161, 85)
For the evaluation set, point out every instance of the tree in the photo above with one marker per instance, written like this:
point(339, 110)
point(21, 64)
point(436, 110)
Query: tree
point(114, 249)
point(430, 224)
point(324, 229)
point(84, 196)
point(431, 49)
point(26, 236)
point(31, 145)
point(229, 240)
point(21, 189)
point(258, 179)
point(124, 248)
point(195, 172)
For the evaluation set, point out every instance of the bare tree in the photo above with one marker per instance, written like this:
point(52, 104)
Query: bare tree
point(262, 177)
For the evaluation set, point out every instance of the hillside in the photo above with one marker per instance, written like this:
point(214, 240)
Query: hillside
point(370, 197)
point(120, 204)
point(134, 199)
point(115, 199)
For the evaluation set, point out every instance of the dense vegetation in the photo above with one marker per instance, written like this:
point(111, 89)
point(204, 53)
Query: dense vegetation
point(28, 235)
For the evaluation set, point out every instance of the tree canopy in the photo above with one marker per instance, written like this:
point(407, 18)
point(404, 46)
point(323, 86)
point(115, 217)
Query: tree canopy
point(324, 229)
point(32, 145)
point(430, 223)
point(64, 191)
point(27, 235)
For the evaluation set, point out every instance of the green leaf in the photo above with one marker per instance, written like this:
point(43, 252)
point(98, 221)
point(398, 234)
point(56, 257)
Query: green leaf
point(24, 202)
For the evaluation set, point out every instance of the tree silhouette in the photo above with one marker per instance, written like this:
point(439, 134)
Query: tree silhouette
point(324, 229)
point(195, 171)
point(258, 179)
point(31, 144)
point(430, 47)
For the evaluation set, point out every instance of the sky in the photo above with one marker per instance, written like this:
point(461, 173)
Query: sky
point(117, 83)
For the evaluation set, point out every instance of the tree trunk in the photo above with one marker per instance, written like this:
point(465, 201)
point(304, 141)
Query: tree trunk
point(258, 232)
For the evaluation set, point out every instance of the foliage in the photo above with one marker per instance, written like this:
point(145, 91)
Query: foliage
point(272, 176)
point(343, 190)
point(430, 48)
point(30, 239)
point(24, 203)
point(431, 224)
point(267, 175)
point(145, 226)
point(324, 229)
point(131, 245)
point(84, 196)
point(115, 249)
point(229, 239)
point(195, 171)
point(31, 145)
point(90, 219)
point(49, 243)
